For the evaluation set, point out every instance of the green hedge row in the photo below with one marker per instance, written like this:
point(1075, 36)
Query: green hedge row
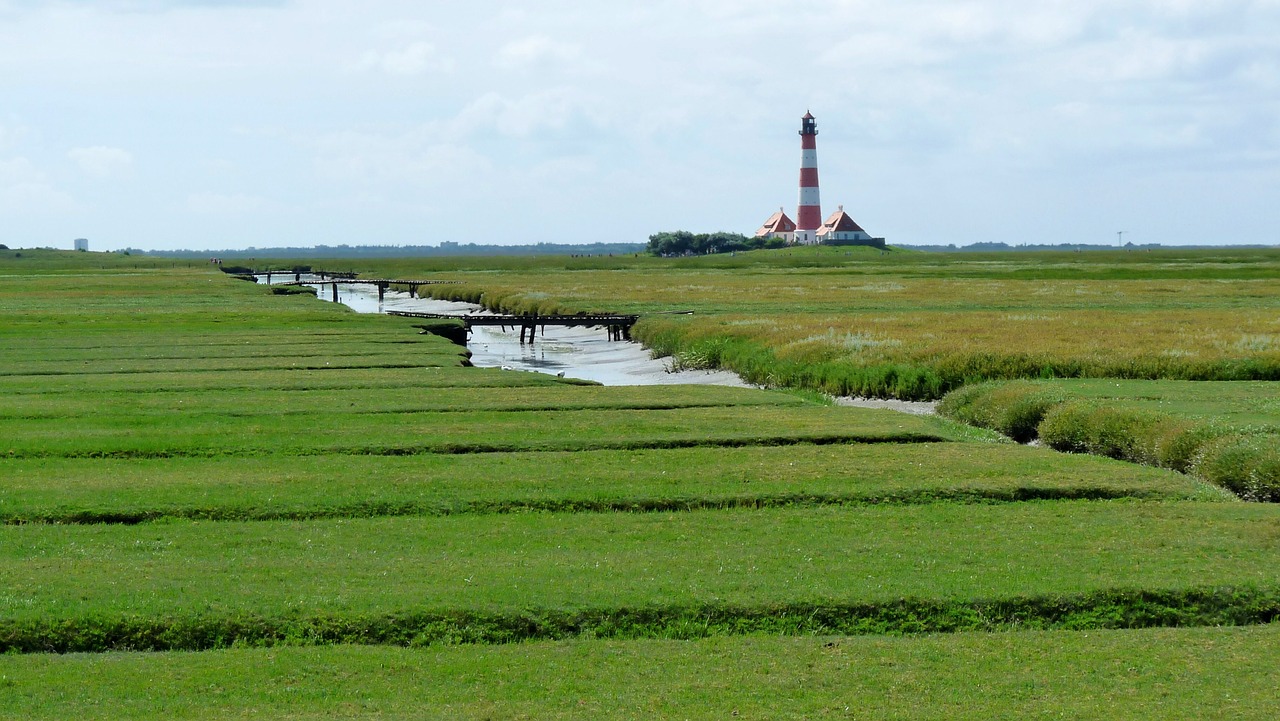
point(1245, 463)
point(1119, 608)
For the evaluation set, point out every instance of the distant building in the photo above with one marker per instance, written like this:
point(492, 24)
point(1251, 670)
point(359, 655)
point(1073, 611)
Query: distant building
point(82, 243)
point(841, 229)
point(778, 226)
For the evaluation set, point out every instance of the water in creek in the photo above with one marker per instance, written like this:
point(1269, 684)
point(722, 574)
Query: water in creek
point(585, 353)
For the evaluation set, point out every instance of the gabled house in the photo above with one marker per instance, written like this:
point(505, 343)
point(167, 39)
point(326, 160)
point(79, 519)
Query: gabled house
point(778, 226)
point(841, 229)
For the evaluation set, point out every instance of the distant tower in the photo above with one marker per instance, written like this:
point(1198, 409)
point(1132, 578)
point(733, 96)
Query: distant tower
point(809, 214)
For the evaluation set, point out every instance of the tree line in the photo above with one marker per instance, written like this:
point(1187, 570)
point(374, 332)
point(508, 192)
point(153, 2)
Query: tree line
point(682, 242)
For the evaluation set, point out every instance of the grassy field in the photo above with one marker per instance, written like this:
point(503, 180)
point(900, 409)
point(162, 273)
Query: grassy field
point(1239, 405)
point(421, 581)
point(1226, 433)
point(188, 461)
point(913, 325)
point(325, 486)
point(1158, 673)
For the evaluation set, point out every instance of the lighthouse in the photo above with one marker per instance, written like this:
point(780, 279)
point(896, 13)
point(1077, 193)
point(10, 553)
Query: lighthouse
point(839, 229)
point(809, 214)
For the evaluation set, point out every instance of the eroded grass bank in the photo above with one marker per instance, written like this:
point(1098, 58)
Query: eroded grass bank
point(1223, 433)
point(905, 327)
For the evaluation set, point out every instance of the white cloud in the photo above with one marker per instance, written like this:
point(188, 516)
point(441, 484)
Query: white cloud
point(531, 52)
point(423, 156)
point(415, 58)
point(24, 189)
point(521, 116)
point(102, 162)
point(616, 101)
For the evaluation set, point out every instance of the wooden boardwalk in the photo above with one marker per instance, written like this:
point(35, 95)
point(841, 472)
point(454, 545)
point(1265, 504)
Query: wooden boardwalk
point(333, 279)
point(618, 325)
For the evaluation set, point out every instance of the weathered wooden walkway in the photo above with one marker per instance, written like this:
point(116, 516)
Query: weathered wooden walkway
point(618, 325)
point(333, 279)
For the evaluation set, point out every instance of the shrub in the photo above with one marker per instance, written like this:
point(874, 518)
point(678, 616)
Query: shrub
point(1147, 437)
point(1014, 409)
point(1249, 466)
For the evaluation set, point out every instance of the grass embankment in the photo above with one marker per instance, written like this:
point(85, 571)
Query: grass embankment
point(945, 567)
point(435, 547)
point(854, 321)
point(326, 486)
point(404, 433)
point(1098, 674)
point(1223, 433)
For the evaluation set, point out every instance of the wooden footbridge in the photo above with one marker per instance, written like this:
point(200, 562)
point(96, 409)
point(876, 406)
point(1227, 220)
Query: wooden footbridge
point(333, 279)
point(618, 325)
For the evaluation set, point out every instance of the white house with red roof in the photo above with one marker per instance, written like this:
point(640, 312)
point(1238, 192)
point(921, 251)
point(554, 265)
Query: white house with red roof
point(841, 229)
point(778, 226)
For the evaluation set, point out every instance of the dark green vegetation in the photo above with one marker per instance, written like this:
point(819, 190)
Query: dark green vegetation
point(1224, 433)
point(189, 462)
point(682, 242)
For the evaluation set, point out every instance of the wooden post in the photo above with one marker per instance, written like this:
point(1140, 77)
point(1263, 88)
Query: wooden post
point(335, 291)
point(268, 277)
point(382, 291)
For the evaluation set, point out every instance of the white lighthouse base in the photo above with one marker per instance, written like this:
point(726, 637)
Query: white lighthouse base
point(806, 237)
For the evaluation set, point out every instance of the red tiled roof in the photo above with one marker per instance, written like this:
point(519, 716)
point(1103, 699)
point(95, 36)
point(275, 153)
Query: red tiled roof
point(777, 223)
point(841, 222)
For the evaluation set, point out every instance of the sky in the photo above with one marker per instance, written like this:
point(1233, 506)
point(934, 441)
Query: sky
point(165, 124)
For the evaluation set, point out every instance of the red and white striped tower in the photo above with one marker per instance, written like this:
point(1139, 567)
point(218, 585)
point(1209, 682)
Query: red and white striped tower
point(809, 214)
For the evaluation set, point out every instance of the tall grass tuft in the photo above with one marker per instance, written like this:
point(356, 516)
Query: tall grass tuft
point(1243, 461)
point(1249, 466)
point(1014, 409)
point(1148, 437)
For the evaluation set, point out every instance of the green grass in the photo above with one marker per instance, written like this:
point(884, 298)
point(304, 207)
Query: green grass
point(414, 379)
point(188, 473)
point(361, 433)
point(64, 578)
point(1164, 673)
point(912, 325)
point(239, 488)
point(1238, 405)
point(1224, 433)
point(405, 399)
